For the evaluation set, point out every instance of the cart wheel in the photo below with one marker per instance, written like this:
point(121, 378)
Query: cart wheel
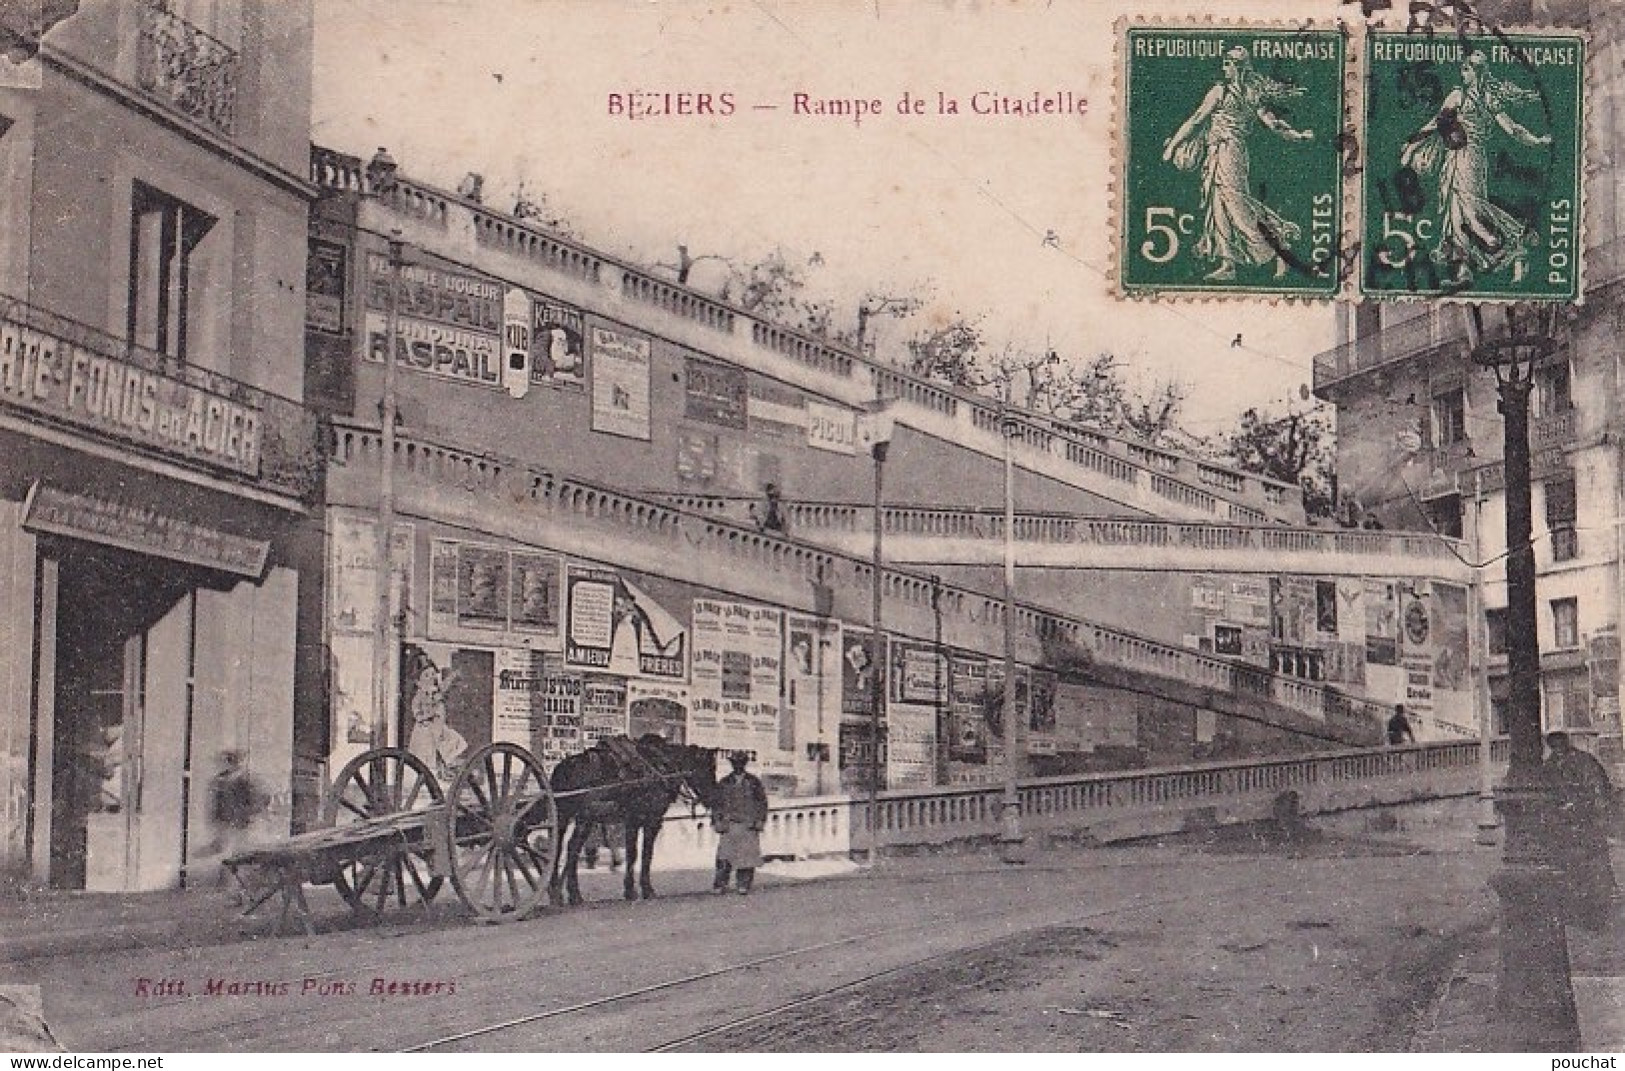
point(503, 827)
point(376, 783)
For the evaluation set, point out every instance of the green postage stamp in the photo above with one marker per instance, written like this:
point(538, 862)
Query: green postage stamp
point(1473, 157)
point(1231, 179)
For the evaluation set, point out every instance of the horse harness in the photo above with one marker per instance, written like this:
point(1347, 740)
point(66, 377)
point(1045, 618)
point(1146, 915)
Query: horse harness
point(633, 769)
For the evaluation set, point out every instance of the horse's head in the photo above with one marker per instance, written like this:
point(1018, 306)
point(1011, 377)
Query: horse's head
point(700, 772)
point(695, 766)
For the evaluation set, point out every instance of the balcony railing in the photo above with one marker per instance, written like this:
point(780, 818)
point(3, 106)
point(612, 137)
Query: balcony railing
point(58, 371)
point(1388, 344)
point(1556, 429)
point(187, 68)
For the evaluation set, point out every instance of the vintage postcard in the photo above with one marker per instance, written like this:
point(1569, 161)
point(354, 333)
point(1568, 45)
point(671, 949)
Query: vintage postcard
point(824, 526)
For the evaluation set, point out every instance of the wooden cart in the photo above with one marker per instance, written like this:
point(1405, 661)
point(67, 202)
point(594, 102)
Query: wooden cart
point(392, 836)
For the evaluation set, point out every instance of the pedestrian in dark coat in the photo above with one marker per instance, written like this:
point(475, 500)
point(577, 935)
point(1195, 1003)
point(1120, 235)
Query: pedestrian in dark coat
point(1399, 728)
point(739, 817)
point(1587, 812)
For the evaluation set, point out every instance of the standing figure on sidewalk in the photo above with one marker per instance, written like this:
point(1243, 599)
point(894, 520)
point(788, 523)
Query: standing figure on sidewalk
point(739, 818)
point(235, 801)
point(1399, 728)
point(1587, 812)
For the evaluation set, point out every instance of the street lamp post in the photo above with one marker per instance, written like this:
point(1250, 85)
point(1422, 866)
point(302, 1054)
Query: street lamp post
point(386, 640)
point(1010, 837)
point(1534, 993)
point(878, 423)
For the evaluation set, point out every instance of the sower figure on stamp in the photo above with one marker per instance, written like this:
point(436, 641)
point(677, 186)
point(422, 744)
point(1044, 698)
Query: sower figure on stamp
point(1475, 234)
point(1237, 228)
point(739, 818)
point(1587, 812)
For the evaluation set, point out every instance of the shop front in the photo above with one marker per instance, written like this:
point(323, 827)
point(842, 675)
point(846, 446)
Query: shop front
point(157, 641)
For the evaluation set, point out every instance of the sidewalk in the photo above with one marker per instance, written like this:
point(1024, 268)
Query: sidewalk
point(37, 923)
point(1462, 1018)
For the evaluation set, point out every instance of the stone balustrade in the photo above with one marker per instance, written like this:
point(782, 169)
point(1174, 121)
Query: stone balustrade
point(671, 538)
point(1156, 480)
point(1223, 547)
point(1102, 807)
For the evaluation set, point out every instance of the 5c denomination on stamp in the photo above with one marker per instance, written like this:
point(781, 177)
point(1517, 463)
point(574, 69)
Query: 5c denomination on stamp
point(1474, 151)
point(1231, 176)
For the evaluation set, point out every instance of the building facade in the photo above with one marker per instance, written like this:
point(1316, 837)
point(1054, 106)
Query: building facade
point(620, 505)
point(1420, 435)
point(155, 456)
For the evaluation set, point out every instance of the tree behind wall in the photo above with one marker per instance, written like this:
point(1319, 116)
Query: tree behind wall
point(1294, 448)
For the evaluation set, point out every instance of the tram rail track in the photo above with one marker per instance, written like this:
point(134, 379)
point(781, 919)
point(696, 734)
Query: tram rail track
point(810, 998)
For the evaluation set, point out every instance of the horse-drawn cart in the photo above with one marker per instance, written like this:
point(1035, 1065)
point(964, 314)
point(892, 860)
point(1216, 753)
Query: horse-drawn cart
point(393, 836)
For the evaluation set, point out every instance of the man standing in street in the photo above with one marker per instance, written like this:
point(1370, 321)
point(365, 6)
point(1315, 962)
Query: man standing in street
point(1399, 728)
point(1587, 813)
point(739, 818)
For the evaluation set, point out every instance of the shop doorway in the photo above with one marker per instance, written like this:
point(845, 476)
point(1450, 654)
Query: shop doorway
point(120, 716)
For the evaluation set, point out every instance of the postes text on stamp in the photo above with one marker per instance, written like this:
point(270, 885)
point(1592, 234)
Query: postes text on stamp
point(1473, 152)
point(1230, 176)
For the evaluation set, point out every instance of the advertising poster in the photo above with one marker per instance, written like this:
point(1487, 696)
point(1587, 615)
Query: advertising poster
point(812, 694)
point(995, 702)
point(326, 282)
point(479, 590)
point(967, 709)
point(533, 592)
point(1416, 625)
point(1419, 689)
point(1110, 725)
point(557, 345)
point(919, 674)
point(1208, 595)
point(911, 745)
point(539, 703)
point(715, 393)
point(777, 413)
point(614, 626)
point(1351, 610)
point(858, 668)
point(831, 428)
point(352, 575)
point(699, 456)
point(658, 708)
point(1603, 662)
point(447, 702)
point(857, 757)
point(620, 383)
point(1248, 602)
point(1381, 623)
point(603, 709)
point(1041, 727)
point(435, 291)
point(482, 587)
point(1070, 703)
point(737, 678)
point(518, 720)
point(1450, 662)
point(350, 682)
point(449, 322)
point(454, 354)
point(1326, 609)
point(1293, 599)
point(1345, 663)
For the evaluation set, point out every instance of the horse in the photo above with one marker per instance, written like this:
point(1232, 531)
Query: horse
point(630, 782)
